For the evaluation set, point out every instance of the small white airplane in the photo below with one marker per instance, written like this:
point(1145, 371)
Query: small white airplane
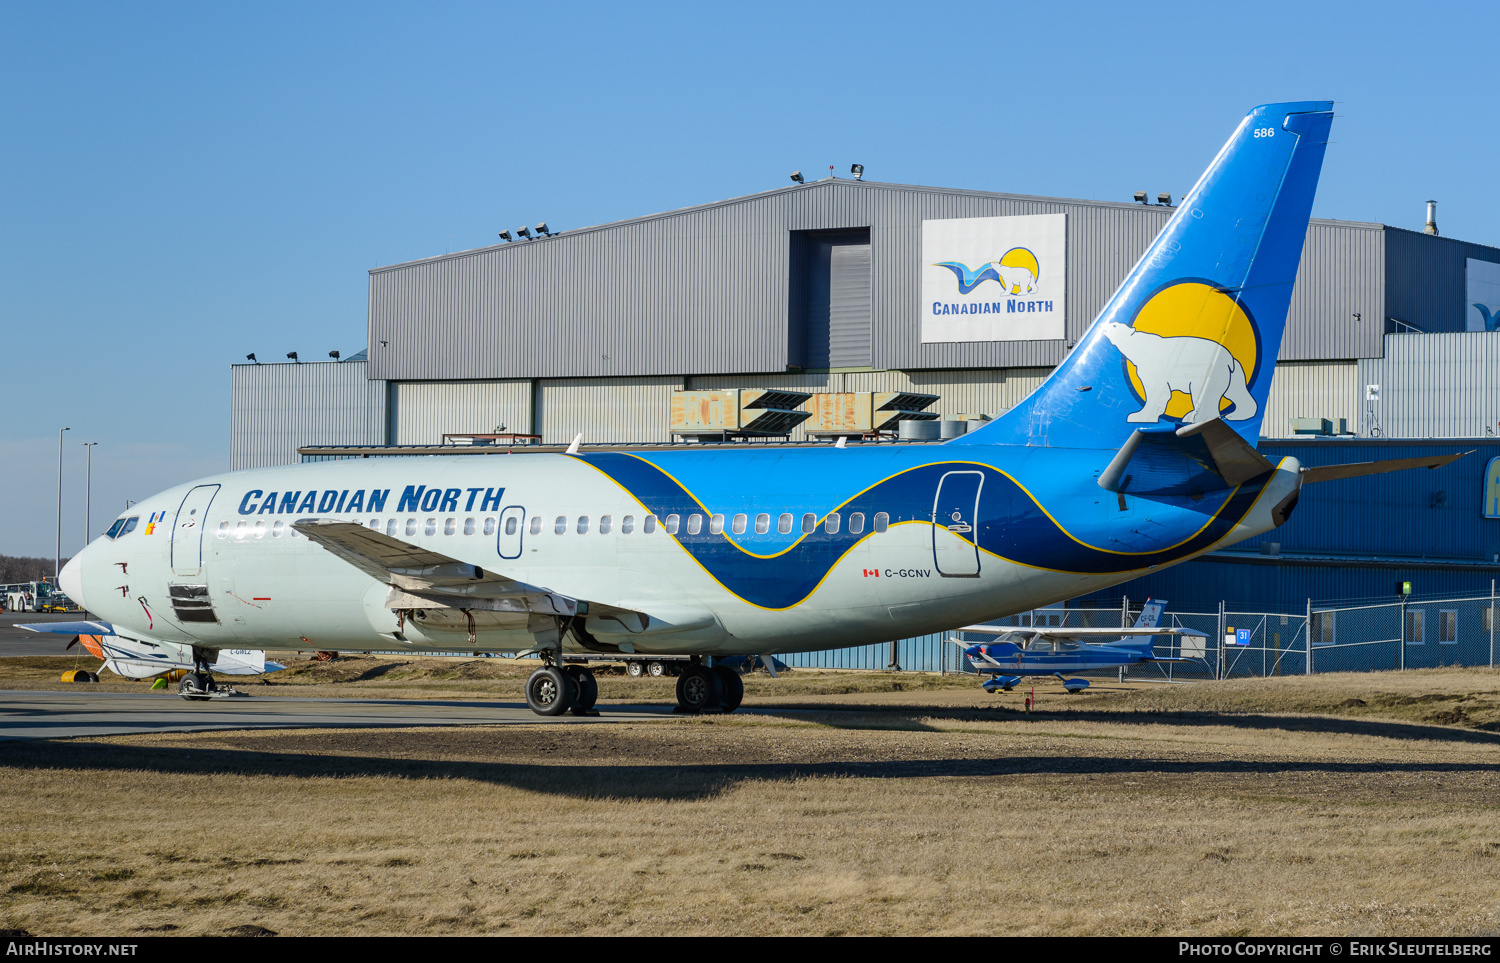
point(1021, 652)
point(141, 659)
point(738, 550)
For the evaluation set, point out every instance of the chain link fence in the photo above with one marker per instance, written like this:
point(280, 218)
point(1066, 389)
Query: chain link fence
point(1410, 633)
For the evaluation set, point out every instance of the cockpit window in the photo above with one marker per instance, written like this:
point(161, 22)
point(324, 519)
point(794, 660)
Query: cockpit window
point(122, 527)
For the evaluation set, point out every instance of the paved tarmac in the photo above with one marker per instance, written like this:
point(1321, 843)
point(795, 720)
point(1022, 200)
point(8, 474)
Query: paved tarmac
point(30, 714)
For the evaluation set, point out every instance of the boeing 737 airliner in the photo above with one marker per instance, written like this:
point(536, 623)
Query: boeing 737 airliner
point(1137, 453)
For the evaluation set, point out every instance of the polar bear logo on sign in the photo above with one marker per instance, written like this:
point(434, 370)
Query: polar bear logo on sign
point(1203, 370)
point(1016, 280)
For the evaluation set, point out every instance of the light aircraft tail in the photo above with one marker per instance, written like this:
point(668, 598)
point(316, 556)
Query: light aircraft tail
point(1193, 332)
point(1149, 618)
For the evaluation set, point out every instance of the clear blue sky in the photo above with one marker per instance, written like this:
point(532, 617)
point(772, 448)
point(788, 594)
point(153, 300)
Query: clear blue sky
point(181, 184)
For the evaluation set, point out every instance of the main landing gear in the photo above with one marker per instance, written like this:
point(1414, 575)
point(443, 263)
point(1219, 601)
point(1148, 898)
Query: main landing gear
point(553, 690)
point(704, 689)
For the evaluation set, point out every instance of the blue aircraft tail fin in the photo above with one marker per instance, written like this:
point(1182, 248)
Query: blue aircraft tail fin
point(1149, 618)
point(1193, 332)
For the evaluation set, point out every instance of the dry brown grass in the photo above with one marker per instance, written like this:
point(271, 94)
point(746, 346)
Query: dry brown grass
point(1182, 810)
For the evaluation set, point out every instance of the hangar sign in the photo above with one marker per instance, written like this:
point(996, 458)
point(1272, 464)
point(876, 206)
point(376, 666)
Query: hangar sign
point(1483, 289)
point(994, 278)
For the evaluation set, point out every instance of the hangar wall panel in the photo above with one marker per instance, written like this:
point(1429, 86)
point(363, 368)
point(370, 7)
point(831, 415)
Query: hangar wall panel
point(1312, 389)
point(274, 408)
point(1342, 274)
point(605, 409)
point(1434, 386)
point(422, 411)
point(1426, 284)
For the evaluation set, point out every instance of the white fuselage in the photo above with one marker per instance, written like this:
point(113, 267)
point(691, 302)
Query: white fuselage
point(273, 588)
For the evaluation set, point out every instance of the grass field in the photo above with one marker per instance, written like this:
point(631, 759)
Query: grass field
point(1341, 804)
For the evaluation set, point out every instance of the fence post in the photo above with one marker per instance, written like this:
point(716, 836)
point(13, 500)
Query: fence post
point(1307, 638)
point(1402, 663)
point(1219, 662)
point(1492, 623)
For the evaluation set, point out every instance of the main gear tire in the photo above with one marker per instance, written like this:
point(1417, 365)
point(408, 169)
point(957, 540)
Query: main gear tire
point(699, 689)
point(588, 689)
point(550, 691)
point(732, 685)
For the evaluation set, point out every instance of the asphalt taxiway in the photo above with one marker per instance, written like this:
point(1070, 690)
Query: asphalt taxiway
point(31, 714)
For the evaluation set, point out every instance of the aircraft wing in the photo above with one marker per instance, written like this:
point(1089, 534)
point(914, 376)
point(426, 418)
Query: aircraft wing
point(71, 628)
point(411, 570)
point(1078, 633)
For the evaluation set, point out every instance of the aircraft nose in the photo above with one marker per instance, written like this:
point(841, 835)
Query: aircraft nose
point(71, 578)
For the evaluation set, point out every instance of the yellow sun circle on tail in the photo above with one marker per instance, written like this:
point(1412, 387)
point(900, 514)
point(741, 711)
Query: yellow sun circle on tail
point(1022, 258)
point(1195, 309)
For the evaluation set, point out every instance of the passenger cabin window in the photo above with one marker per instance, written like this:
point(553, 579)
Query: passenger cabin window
point(489, 525)
point(831, 523)
point(762, 523)
point(738, 526)
point(670, 524)
point(260, 529)
point(222, 532)
point(695, 523)
point(648, 524)
point(856, 523)
point(430, 528)
point(627, 524)
point(536, 524)
point(411, 526)
point(583, 524)
point(469, 526)
point(239, 530)
point(390, 526)
point(560, 527)
point(716, 524)
point(280, 525)
point(882, 520)
point(450, 526)
point(606, 522)
point(784, 523)
point(511, 524)
point(809, 522)
point(374, 526)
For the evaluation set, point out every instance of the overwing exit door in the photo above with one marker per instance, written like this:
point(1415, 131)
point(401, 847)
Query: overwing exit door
point(512, 521)
point(955, 521)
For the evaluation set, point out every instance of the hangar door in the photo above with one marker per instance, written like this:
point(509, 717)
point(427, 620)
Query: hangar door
point(830, 295)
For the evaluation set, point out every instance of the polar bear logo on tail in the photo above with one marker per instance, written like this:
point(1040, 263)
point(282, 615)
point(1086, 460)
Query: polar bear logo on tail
point(1203, 370)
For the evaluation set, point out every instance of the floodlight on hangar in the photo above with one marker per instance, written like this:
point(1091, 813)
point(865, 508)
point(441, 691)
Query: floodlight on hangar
point(796, 177)
point(251, 357)
point(334, 355)
point(523, 232)
point(858, 170)
point(293, 356)
point(542, 228)
point(1140, 197)
point(505, 235)
point(1164, 199)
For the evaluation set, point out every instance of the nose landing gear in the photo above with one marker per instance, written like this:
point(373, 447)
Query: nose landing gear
point(199, 685)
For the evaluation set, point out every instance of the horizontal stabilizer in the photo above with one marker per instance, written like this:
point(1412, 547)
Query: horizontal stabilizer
point(1191, 460)
point(1335, 472)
